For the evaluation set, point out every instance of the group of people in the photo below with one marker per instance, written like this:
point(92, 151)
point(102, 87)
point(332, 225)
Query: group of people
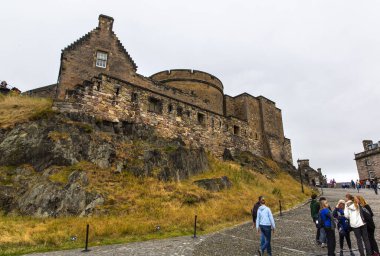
point(369, 184)
point(352, 214)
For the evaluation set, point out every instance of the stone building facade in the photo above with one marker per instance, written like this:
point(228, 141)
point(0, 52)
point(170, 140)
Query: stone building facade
point(98, 77)
point(368, 161)
point(312, 177)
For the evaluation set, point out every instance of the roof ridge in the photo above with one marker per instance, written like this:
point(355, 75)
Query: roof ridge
point(122, 48)
point(79, 41)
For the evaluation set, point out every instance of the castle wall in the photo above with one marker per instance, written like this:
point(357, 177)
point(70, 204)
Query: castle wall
point(132, 104)
point(368, 163)
point(207, 89)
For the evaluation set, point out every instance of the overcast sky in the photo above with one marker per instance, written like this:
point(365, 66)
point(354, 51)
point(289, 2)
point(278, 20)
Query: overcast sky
point(318, 60)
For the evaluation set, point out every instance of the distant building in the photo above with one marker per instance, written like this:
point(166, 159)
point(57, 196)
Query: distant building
point(313, 177)
point(368, 161)
point(5, 89)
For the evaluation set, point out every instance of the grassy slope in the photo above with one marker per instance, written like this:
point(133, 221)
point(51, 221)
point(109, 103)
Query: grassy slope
point(135, 206)
point(19, 109)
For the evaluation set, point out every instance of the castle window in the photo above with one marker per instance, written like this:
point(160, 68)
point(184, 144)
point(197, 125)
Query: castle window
point(212, 122)
point(187, 113)
point(368, 162)
point(134, 97)
point(117, 90)
point(236, 130)
point(170, 108)
point(179, 111)
point(101, 59)
point(155, 105)
point(201, 118)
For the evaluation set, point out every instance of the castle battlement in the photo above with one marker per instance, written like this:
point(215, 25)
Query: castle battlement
point(98, 77)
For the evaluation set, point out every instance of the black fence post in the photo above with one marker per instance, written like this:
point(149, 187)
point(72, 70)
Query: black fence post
point(280, 207)
point(86, 246)
point(195, 227)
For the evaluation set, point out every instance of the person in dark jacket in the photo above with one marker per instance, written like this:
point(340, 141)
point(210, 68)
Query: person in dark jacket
point(343, 227)
point(328, 224)
point(370, 225)
point(254, 211)
point(314, 209)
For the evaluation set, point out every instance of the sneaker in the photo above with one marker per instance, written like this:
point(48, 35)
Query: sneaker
point(323, 245)
point(317, 242)
point(259, 252)
point(352, 253)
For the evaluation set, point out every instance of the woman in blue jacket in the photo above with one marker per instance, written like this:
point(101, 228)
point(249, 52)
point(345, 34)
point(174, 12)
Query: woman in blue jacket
point(343, 226)
point(327, 221)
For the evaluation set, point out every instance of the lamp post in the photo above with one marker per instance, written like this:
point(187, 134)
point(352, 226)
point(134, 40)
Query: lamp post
point(299, 169)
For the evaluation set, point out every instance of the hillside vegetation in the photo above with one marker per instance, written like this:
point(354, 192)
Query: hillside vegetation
point(136, 206)
point(18, 109)
point(128, 183)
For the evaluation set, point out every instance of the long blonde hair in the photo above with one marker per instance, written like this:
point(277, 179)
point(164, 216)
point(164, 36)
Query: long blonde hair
point(352, 198)
point(362, 201)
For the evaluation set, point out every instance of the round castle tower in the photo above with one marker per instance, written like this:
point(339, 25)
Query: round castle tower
point(206, 88)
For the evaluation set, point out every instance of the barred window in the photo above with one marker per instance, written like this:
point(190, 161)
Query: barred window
point(101, 59)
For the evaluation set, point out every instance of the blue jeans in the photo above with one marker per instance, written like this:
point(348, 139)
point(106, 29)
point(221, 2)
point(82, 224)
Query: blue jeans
point(266, 232)
point(322, 236)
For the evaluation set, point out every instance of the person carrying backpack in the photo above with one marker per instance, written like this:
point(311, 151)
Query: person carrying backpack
point(367, 215)
point(314, 209)
point(352, 213)
point(343, 227)
point(327, 222)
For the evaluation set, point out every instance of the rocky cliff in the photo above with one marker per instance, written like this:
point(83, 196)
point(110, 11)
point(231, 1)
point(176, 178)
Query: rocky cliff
point(34, 153)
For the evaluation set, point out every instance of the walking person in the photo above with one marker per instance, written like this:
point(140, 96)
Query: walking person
point(367, 214)
point(327, 220)
point(254, 216)
point(375, 184)
point(343, 227)
point(265, 224)
point(352, 213)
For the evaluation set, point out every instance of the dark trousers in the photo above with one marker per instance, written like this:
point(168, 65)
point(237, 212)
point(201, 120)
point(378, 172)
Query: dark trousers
point(372, 240)
point(361, 235)
point(348, 240)
point(331, 243)
point(265, 245)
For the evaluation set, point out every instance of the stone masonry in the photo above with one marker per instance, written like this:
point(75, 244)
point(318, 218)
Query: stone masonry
point(98, 77)
point(368, 161)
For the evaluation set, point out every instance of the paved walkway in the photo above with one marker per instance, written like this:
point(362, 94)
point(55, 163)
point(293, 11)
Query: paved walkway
point(295, 235)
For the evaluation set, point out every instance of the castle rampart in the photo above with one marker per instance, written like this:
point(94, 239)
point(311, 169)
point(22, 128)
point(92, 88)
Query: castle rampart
point(204, 86)
point(98, 77)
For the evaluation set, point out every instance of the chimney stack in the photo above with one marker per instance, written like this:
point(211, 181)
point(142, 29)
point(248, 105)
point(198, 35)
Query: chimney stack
point(105, 22)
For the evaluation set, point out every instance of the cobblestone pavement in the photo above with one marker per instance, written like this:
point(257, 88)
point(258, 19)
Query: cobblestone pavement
point(295, 235)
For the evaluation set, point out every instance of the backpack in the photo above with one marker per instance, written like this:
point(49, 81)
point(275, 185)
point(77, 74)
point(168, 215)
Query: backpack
point(366, 217)
point(319, 223)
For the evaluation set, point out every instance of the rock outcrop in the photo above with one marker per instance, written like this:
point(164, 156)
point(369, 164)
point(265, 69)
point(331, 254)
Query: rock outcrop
point(215, 185)
point(65, 140)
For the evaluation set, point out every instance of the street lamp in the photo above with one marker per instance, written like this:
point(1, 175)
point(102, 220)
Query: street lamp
point(299, 169)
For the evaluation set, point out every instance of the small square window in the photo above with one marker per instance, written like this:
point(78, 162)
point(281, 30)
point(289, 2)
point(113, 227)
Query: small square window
point(101, 59)
point(179, 111)
point(155, 105)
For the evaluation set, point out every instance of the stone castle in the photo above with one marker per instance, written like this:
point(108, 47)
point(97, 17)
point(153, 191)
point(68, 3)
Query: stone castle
point(368, 161)
point(98, 77)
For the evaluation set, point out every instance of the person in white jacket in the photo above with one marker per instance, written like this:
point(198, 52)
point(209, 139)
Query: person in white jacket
point(352, 212)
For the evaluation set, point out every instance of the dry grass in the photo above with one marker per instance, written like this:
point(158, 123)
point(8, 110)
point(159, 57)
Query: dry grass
point(135, 206)
point(19, 109)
